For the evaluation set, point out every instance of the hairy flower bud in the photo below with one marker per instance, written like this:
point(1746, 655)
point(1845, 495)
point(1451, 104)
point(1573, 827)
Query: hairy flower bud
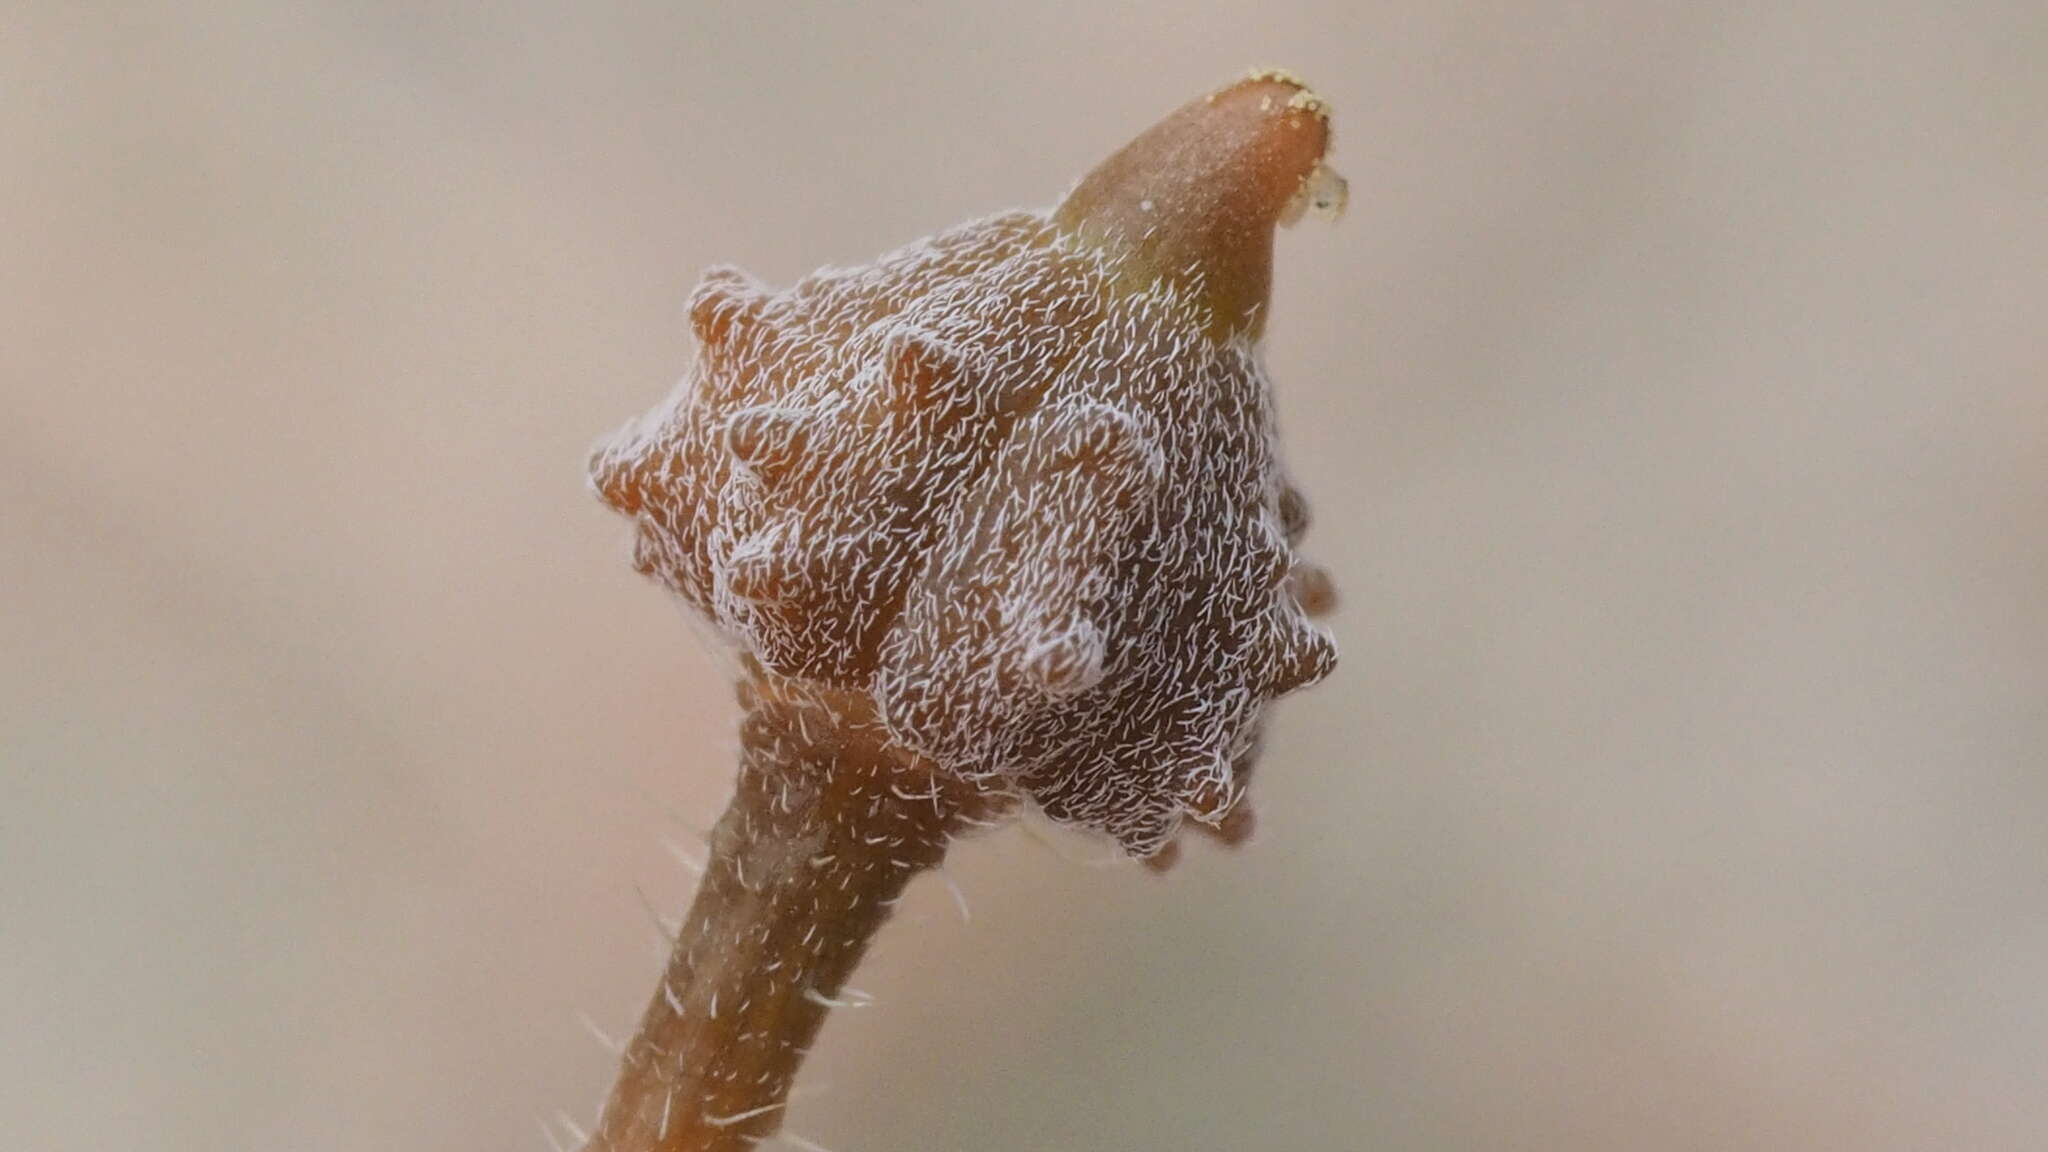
point(1019, 483)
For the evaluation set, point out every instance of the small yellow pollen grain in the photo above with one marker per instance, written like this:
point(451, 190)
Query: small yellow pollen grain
point(1304, 98)
point(1307, 101)
point(1279, 75)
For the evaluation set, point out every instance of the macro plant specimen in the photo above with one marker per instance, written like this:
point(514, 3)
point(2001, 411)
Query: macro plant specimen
point(998, 520)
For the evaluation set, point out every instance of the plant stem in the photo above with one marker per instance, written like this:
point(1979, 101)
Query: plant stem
point(828, 824)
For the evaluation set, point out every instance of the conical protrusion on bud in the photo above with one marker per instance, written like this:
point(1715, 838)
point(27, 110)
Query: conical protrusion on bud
point(1163, 860)
point(1235, 826)
point(768, 441)
point(926, 374)
point(724, 303)
point(1294, 513)
point(1312, 588)
point(1298, 652)
point(614, 472)
point(1194, 200)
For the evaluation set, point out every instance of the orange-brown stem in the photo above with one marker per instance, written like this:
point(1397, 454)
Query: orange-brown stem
point(828, 825)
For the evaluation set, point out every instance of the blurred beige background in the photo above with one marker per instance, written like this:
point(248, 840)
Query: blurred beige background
point(1674, 399)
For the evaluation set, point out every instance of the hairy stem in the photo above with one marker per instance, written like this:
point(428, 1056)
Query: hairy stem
point(828, 824)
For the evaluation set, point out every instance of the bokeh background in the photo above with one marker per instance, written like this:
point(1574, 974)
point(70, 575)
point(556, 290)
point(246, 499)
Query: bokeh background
point(1674, 399)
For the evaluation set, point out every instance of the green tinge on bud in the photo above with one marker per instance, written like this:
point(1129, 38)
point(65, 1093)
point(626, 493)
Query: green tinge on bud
point(1194, 200)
